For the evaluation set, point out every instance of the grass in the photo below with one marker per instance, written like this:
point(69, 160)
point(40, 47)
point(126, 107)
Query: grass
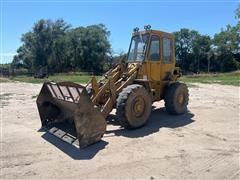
point(2, 80)
point(77, 78)
point(232, 78)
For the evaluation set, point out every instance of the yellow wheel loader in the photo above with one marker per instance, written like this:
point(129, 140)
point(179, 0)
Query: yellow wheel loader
point(148, 76)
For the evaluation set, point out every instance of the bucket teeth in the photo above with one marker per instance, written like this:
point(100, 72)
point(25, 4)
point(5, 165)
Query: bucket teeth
point(69, 102)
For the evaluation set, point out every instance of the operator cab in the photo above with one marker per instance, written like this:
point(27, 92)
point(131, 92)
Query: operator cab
point(155, 51)
point(151, 45)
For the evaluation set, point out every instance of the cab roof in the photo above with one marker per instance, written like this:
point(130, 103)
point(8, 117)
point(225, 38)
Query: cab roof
point(151, 31)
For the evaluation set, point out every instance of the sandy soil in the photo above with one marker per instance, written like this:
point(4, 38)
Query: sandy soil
point(202, 144)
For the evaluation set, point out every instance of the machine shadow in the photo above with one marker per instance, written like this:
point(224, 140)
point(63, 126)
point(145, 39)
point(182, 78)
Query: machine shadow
point(158, 119)
point(71, 150)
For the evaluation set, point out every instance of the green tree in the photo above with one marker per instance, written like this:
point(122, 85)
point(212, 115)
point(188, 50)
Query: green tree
point(55, 45)
point(191, 50)
point(227, 44)
point(89, 47)
point(38, 43)
point(237, 16)
point(201, 47)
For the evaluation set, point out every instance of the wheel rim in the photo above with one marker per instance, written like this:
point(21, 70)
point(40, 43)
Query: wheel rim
point(138, 106)
point(180, 99)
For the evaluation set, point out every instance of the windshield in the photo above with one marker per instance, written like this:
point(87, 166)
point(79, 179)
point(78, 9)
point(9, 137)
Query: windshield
point(137, 47)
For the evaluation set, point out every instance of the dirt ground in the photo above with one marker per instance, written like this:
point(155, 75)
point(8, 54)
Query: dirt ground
point(202, 144)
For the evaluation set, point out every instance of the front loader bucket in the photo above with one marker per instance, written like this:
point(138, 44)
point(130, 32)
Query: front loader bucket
point(69, 102)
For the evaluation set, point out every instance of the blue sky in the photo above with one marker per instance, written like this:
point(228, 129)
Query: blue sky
point(120, 17)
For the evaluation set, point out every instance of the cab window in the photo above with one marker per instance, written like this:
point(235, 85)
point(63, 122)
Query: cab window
point(137, 47)
point(167, 50)
point(154, 51)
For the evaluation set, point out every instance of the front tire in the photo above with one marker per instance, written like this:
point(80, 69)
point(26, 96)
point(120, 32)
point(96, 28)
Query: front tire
point(176, 98)
point(134, 106)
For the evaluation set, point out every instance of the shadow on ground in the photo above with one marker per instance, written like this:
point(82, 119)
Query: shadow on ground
point(72, 151)
point(158, 119)
point(70, 148)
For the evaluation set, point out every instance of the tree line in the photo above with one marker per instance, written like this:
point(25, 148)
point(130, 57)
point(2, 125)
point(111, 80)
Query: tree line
point(62, 48)
point(200, 53)
point(54, 44)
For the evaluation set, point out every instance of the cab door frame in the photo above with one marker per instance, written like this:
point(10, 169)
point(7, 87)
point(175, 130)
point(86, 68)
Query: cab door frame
point(166, 65)
point(154, 66)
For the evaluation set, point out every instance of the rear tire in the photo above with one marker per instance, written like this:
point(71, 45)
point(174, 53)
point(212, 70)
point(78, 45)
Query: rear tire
point(134, 105)
point(176, 98)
